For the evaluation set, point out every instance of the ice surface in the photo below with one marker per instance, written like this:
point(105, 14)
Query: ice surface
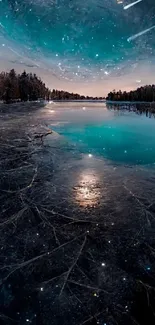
point(77, 231)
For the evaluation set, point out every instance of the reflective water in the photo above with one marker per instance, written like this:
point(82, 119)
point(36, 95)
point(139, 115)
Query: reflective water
point(118, 135)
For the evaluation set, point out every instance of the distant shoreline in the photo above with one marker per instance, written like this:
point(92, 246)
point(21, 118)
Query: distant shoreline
point(80, 101)
point(99, 101)
point(127, 102)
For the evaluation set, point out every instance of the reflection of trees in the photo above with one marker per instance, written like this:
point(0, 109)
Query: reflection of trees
point(138, 108)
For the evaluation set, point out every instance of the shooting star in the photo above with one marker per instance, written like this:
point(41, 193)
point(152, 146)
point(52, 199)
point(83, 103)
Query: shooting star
point(139, 34)
point(131, 4)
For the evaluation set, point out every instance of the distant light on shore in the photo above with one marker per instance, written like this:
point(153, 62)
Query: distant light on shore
point(83, 108)
point(90, 155)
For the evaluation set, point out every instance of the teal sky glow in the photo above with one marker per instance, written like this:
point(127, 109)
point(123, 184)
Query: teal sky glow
point(80, 46)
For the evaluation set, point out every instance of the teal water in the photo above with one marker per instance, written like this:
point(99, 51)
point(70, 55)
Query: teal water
point(120, 136)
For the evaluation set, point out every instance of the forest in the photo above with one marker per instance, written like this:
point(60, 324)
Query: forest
point(142, 94)
point(28, 87)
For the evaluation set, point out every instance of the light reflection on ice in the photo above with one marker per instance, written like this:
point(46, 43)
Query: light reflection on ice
point(87, 192)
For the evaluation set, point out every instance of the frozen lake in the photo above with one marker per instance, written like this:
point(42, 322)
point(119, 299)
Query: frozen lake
point(77, 215)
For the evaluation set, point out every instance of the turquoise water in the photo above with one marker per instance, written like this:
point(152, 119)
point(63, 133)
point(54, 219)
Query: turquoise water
point(123, 137)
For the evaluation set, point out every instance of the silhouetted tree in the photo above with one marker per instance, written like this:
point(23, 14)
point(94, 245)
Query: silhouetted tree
point(27, 86)
point(145, 94)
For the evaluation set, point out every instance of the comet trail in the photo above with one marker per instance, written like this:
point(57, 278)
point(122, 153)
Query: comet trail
point(81, 49)
point(139, 34)
point(132, 4)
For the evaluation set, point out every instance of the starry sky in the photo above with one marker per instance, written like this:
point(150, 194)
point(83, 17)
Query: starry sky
point(90, 47)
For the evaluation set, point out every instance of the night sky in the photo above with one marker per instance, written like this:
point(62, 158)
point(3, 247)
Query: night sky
point(90, 47)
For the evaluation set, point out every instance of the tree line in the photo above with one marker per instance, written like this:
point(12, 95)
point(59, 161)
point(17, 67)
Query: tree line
point(23, 87)
point(143, 94)
point(28, 87)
